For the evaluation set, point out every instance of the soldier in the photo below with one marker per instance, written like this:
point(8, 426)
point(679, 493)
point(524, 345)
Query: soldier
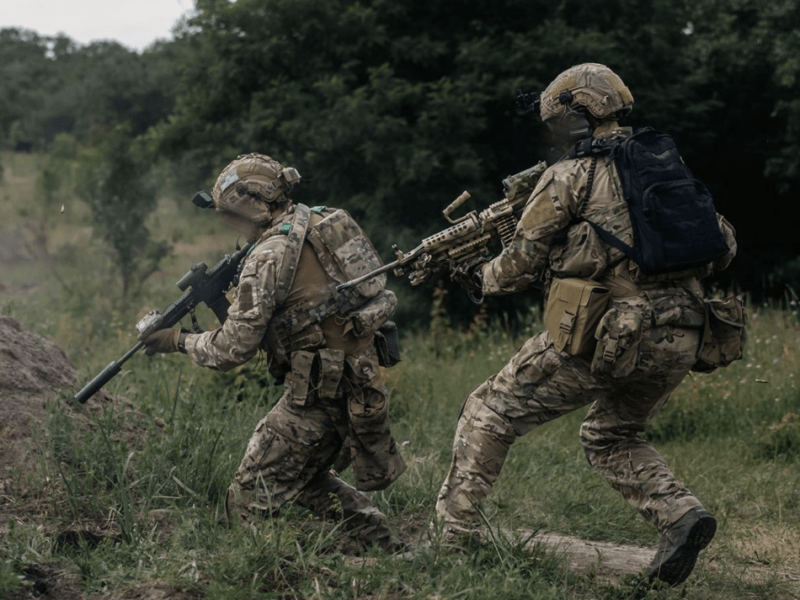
point(647, 339)
point(334, 406)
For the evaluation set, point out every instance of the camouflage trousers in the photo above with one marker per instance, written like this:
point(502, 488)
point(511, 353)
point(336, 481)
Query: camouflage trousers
point(540, 384)
point(288, 459)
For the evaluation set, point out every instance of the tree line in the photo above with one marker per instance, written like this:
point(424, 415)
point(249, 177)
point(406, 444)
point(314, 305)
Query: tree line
point(392, 109)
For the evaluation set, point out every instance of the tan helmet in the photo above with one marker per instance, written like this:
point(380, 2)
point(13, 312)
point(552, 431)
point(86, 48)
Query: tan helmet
point(250, 184)
point(590, 85)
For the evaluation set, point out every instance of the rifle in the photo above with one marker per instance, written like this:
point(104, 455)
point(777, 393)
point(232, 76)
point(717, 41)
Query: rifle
point(466, 242)
point(198, 285)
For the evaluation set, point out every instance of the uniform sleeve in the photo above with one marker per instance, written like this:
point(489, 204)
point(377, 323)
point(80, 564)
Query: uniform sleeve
point(523, 261)
point(239, 339)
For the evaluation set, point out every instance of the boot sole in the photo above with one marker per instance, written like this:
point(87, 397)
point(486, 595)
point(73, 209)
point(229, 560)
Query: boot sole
point(675, 568)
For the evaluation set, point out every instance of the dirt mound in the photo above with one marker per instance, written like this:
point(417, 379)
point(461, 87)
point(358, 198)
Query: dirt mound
point(33, 370)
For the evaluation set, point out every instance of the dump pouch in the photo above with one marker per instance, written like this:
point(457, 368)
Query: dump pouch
point(574, 307)
point(387, 344)
point(724, 334)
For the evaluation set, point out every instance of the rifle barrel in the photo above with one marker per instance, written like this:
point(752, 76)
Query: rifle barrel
point(105, 375)
point(353, 282)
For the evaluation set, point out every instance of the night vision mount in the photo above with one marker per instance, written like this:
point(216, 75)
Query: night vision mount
point(528, 102)
point(203, 200)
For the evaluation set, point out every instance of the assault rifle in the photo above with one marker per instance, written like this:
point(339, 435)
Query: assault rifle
point(466, 242)
point(198, 285)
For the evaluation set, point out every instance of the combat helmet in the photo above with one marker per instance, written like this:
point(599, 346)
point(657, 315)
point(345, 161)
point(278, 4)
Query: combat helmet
point(591, 87)
point(251, 186)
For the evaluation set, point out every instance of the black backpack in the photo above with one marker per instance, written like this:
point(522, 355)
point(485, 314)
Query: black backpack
point(673, 215)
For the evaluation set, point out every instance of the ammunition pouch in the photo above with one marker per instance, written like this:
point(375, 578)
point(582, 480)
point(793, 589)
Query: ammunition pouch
point(315, 375)
point(618, 335)
point(724, 334)
point(387, 344)
point(574, 307)
point(298, 380)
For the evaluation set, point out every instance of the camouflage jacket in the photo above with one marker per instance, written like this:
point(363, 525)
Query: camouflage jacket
point(255, 304)
point(551, 240)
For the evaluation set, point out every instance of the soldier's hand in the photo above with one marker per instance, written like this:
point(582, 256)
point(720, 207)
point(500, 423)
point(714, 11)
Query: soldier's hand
point(163, 340)
point(469, 277)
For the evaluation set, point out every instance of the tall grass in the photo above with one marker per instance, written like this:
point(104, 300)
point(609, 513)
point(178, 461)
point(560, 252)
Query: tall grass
point(141, 487)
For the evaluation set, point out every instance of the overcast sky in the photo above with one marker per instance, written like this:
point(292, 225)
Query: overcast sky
point(133, 23)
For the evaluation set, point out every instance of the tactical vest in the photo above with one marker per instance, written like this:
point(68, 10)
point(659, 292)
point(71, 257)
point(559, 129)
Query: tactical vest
point(344, 253)
point(673, 216)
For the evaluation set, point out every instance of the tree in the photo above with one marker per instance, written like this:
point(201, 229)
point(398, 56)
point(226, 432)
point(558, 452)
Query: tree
point(114, 182)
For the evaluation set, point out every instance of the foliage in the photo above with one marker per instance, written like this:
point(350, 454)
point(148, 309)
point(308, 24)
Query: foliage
point(10, 579)
point(53, 85)
point(154, 471)
point(113, 181)
point(389, 115)
point(391, 110)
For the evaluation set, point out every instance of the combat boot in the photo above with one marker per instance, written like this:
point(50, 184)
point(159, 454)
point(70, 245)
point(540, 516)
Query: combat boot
point(680, 544)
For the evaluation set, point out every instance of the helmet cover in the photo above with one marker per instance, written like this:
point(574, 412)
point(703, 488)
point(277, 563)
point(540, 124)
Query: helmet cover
point(250, 184)
point(592, 86)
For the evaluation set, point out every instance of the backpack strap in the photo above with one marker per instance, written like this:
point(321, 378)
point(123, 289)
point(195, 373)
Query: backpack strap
point(591, 146)
point(610, 239)
point(594, 147)
point(295, 232)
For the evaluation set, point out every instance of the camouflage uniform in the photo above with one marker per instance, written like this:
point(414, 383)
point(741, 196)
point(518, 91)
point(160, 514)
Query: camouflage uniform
point(658, 320)
point(334, 403)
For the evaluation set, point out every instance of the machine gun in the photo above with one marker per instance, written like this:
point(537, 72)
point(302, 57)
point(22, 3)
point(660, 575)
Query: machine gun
point(467, 241)
point(198, 285)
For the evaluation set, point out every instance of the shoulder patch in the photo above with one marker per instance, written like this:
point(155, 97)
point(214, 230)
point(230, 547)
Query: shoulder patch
point(319, 209)
point(285, 229)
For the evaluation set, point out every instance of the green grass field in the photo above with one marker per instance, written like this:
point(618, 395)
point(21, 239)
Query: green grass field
point(150, 475)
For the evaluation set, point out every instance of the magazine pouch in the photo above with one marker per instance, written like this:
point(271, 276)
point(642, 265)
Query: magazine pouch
point(574, 307)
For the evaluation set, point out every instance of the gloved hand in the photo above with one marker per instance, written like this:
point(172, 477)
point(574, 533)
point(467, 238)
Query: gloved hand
point(470, 278)
point(163, 340)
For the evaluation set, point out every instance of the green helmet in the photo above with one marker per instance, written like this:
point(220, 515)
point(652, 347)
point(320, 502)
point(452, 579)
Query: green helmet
point(250, 184)
point(592, 86)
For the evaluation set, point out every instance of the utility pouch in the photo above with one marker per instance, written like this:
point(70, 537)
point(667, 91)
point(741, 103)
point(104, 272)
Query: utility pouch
point(573, 310)
point(387, 344)
point(331, 366)
point(618, 336)
point(724, 334)
point(299, 378)
point(370, 317)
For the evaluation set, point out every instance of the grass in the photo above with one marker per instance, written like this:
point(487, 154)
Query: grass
point(140, 490)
